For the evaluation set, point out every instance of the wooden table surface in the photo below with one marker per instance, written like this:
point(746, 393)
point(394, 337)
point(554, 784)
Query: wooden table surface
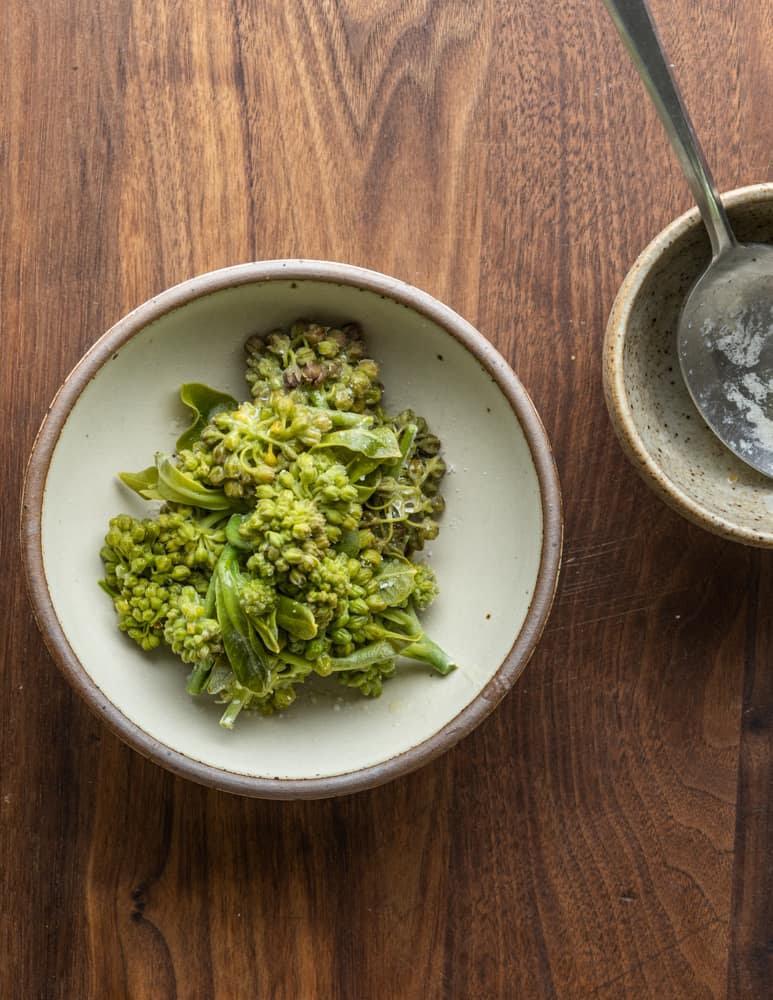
point(608, 831)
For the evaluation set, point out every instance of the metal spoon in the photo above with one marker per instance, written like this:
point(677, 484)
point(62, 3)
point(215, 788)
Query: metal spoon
point(725, 333)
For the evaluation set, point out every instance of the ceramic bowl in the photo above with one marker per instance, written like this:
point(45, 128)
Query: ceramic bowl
point(657, 423)
point(497, 556)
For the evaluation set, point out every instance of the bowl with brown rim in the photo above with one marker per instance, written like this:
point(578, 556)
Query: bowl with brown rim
point(497, 555)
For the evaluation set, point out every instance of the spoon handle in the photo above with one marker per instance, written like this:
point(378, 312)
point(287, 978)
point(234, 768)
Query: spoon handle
point(634, 22)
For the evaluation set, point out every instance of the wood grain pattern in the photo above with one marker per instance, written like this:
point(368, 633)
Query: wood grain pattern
point(751, 960)
point(607, 832)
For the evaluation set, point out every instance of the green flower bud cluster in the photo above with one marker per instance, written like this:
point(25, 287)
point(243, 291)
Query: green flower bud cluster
point(425, 442)
point(370, 680)
point(228, 691)
point(424, 466)
point(286, 535)
point(324, 366)
point(240, 450)
point(258, 597)
point(318, 477)
point(330, 585)
point(190, 537)
point(142, 609)
point(148, 561)
point(193, 635)
point(170, 548)
point(325, 480)
point(403, 510)
point(426, 472)
point(425, 588)
point(231, 453)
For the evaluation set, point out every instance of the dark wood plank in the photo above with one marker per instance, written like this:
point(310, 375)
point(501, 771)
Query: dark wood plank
point(607, 832)
point(750, 971)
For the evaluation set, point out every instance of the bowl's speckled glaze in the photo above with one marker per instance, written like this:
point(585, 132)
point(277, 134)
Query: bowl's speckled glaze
point(657, 423)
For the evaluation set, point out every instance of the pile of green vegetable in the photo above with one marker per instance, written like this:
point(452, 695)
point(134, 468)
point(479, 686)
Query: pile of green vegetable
point(284, 545)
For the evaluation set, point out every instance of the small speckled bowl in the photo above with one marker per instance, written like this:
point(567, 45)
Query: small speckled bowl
point(497, 555)
point(658, 425)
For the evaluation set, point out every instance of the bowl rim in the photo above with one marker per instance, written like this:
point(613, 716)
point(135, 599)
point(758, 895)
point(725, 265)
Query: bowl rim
point(617, 401)
point(206, 284)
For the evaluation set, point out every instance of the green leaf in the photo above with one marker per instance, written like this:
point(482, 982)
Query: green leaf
point(407, 440)
point(359, 468)
point(366, 475)
point(295, 618)
point(209, 599)
point(205, 402)
point(395, 581)
point(376, 442)
point(365, 656)
point(145, 483)
point(350, 543)
point(249, 661)
point(220, 679)
point(232, 532)
point(165, 481)
point(266, 627)
point(175, 485)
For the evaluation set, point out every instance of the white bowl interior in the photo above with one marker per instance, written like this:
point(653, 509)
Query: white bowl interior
point(486, 557)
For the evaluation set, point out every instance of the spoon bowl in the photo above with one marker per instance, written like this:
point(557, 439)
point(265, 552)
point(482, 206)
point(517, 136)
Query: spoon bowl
point(726, 351)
